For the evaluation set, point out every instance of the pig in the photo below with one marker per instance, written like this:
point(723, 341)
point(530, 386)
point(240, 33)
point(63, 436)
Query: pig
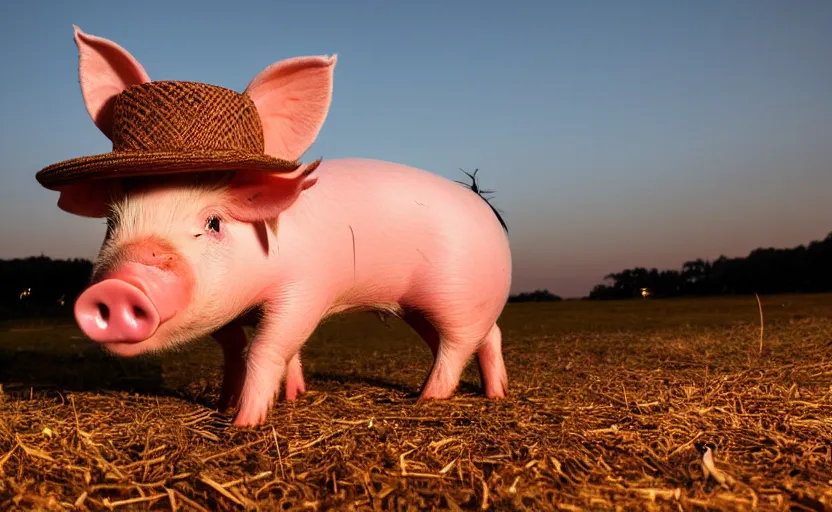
point(206, 253)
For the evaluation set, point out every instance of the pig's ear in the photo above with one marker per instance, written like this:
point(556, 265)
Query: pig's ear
point(293, 97)
point(104, 70)
point(256, 196)
point(88, 199)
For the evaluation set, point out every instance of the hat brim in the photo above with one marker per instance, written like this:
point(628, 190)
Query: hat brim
point(125, 164)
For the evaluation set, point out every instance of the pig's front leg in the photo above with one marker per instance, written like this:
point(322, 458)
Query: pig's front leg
point(232, 338)
point(276, 345)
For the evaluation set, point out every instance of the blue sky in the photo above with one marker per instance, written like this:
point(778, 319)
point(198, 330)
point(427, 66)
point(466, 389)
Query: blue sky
point(615, 133)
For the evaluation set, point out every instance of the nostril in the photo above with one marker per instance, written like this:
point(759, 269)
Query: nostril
point(103, 311)
point(103, 315)
point(139, 313)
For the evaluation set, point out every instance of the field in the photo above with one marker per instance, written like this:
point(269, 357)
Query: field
point(645, 404)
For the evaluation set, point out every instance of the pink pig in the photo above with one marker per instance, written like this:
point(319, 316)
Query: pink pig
point(194, 254)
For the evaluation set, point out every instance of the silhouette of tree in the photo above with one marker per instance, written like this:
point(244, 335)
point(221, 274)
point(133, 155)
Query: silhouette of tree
point(40, 286)
point(535, 296)
point(802, 269)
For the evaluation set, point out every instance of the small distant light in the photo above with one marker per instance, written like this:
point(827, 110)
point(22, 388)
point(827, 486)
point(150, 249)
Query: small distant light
point(645, 292)
point(25, 293)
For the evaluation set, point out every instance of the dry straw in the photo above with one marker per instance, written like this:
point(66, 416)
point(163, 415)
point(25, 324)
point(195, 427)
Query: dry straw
point(652, 417)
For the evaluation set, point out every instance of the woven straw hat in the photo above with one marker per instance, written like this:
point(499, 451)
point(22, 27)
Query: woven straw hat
point(168, 127)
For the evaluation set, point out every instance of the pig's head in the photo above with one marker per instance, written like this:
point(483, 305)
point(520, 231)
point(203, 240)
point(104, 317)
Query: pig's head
point(186, 253)
point(183, 256)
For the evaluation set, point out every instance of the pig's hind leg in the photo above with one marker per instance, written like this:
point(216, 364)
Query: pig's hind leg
point(491, 366)
point(452, 347)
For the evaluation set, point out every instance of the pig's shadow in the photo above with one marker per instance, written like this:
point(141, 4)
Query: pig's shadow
point(87, 370)
point(326, 379)
point(93, 370)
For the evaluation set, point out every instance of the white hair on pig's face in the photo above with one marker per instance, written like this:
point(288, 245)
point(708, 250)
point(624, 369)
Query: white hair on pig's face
point(188, 213)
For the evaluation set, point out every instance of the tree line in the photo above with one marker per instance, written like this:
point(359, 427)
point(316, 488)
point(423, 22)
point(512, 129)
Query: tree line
point(802, 269)
point(40, 286)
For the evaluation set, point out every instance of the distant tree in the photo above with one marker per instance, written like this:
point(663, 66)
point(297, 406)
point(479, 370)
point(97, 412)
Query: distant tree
point(535, 296)
point(605, 292)
point(764, 270)
point(696, 276)
point(40, 286)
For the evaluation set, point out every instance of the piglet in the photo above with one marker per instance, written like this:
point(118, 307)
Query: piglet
point(196, 254)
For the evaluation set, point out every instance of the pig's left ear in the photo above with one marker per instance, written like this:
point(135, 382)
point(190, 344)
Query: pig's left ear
point(256, 196)
point(89, 199)
point(104, 70)
point(292, 98)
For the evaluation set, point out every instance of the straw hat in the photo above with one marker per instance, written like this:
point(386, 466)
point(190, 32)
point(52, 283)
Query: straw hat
point(168, 127)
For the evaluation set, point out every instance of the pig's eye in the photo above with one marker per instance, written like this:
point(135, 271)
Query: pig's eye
point(213, 224)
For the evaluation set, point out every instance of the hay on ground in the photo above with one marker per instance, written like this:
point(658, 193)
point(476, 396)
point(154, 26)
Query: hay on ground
point(666, 417)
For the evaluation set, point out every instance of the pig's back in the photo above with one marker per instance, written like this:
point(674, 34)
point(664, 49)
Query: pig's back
point(403, 233)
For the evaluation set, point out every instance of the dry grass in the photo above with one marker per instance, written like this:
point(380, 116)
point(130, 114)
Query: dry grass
point(637, 405)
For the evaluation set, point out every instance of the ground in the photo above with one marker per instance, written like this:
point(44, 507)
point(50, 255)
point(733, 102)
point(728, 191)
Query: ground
point(643, 404)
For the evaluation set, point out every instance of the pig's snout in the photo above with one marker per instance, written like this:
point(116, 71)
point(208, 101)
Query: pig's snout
point(116, 311)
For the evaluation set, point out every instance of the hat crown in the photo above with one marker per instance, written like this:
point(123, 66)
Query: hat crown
point(182, 116)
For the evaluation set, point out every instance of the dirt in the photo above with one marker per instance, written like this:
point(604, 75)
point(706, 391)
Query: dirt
point(644, 404)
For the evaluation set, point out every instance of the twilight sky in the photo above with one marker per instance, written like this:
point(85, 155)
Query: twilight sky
point(615, 133)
